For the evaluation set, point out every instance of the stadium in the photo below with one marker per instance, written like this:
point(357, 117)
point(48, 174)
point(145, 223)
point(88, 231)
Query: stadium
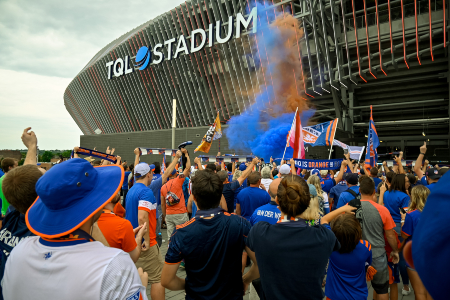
point(390, 54)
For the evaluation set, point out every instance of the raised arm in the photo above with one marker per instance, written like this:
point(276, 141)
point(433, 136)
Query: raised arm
point(29, 139)
point(248, 170)
point(198, 162)
point(341, 171)
point(330, 216)
point(425, 166)
point(417, 169)
point(137, 153)
point(385, 167)
point(172, 166)
point(293, 171)
point(233, 167)
point(104, 161)
point(399, 163)
point(187, 170)
point(350, 164)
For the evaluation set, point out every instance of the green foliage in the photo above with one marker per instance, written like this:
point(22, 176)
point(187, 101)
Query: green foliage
point(47, 156)
point(21, 161)
point(66, 153)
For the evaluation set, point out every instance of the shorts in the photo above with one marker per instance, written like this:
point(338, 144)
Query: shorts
point(151, 262)
point(394, 274)
point(380, 281)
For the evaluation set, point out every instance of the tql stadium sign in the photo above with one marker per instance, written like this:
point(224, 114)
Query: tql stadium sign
point(146, 55)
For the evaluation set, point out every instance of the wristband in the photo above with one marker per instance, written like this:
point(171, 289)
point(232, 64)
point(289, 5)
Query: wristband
point(422, 153)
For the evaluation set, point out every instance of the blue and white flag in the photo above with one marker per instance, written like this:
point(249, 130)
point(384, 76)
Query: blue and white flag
point(372, 144)
point(320, 134)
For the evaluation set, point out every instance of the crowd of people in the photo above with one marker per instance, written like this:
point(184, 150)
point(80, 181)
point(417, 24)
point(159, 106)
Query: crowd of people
point(91, 229)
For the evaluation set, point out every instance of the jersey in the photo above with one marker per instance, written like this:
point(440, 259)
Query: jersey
point(346, 277)
point(140, 197)
point(269, 213)
point(70, 270)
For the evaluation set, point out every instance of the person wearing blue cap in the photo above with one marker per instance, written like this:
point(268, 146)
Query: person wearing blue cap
point(429, 177)
point(66, 259)
point(352, 192)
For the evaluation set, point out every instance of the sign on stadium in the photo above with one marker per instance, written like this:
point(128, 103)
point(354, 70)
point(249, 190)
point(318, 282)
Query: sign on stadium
point(147, 56)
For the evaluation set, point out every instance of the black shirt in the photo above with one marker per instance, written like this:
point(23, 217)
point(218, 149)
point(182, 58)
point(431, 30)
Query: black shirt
point(292, 258)
point(212, 252)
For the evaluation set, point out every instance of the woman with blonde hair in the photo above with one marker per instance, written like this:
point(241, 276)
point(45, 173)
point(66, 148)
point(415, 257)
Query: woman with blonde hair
point(324, 206)
point(419, 195)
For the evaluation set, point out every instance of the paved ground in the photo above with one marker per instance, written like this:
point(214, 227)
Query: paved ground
point(179, 295)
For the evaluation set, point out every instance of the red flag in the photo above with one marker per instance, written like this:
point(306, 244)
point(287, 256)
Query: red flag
point(296, 140)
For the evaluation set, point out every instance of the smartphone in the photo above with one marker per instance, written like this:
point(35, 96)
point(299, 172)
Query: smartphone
point(345, 151)
point(402, 210)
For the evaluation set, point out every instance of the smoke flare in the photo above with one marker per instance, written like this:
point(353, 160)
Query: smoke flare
point(263, 127)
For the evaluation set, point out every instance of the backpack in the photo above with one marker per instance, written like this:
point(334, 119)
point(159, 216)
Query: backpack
point(359, 214)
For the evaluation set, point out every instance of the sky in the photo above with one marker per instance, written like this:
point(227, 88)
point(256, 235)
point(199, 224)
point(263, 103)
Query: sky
point(43, 46)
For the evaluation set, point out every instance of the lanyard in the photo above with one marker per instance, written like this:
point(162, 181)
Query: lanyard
point(77, 237)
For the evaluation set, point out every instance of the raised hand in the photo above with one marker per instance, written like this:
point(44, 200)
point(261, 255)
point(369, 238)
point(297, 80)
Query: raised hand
point(136, 152)
point(29, 139)
point(423, 149)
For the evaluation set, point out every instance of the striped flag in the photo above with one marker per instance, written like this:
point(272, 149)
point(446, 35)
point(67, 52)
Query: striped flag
point(321, 134)
point(296, 139)
point(372, 143)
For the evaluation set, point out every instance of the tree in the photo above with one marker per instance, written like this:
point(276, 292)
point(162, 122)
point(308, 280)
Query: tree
point(66, 153)
point(47, 156)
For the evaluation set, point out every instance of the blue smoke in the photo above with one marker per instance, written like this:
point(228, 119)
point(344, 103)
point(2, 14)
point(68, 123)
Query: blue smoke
point(263, 127)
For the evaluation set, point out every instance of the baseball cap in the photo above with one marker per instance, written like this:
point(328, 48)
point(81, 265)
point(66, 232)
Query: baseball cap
point(285, 169)
point(69, 194)
point(315, 172)
point(141, 170)
point(312, 190)
point(351, 178)
point(431, 241)
point(242, 167)
point(152, 167)
point(323, 172)
point(433, 173)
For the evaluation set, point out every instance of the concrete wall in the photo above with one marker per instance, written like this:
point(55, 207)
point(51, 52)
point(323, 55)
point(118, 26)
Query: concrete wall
point(125, 143)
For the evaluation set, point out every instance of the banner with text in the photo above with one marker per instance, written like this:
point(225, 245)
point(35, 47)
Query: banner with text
point(321, 164)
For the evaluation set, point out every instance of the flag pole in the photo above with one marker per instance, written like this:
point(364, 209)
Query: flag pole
point(290, 132)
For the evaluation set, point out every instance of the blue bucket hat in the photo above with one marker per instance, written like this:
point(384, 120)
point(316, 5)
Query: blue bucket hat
point(69, 194)
point(242, 167)
point(315, 172)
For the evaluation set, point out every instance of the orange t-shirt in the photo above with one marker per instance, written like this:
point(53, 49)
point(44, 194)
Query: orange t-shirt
point(175, 186)
point(117, 231)
point(119, 210)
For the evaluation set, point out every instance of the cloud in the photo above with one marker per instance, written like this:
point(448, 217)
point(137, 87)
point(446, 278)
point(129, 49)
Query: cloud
point(44, 45)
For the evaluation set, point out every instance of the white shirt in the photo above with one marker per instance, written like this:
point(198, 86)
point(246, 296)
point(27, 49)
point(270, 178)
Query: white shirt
point(76, 272)
point(266, 182)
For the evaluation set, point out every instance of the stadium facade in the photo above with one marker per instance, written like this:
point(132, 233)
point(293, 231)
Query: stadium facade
point(391, 54)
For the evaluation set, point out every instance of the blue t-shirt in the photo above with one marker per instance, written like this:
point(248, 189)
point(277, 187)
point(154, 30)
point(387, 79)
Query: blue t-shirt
point(138, 196)
point(393, 201)
point(423, 180)
point(214, 270)
point(412, 218)
point(1, 173)
point(155, 186)
point(228, 194)
point(336, 191)
point(250, 199)
point(125, 181)
point(299, 250)
point(431, 186)
point(346, 197)
point(14, 230)
point(377, 182)
point(346, 277)
point(194, 209)
point(269, 213)
point(327, 185)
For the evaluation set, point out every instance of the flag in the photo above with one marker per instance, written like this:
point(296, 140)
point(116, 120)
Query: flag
point(296, 139)
point(320, 134)
point(163, 167)
point(355, 152)
point(372, 144)
point(214, 132)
